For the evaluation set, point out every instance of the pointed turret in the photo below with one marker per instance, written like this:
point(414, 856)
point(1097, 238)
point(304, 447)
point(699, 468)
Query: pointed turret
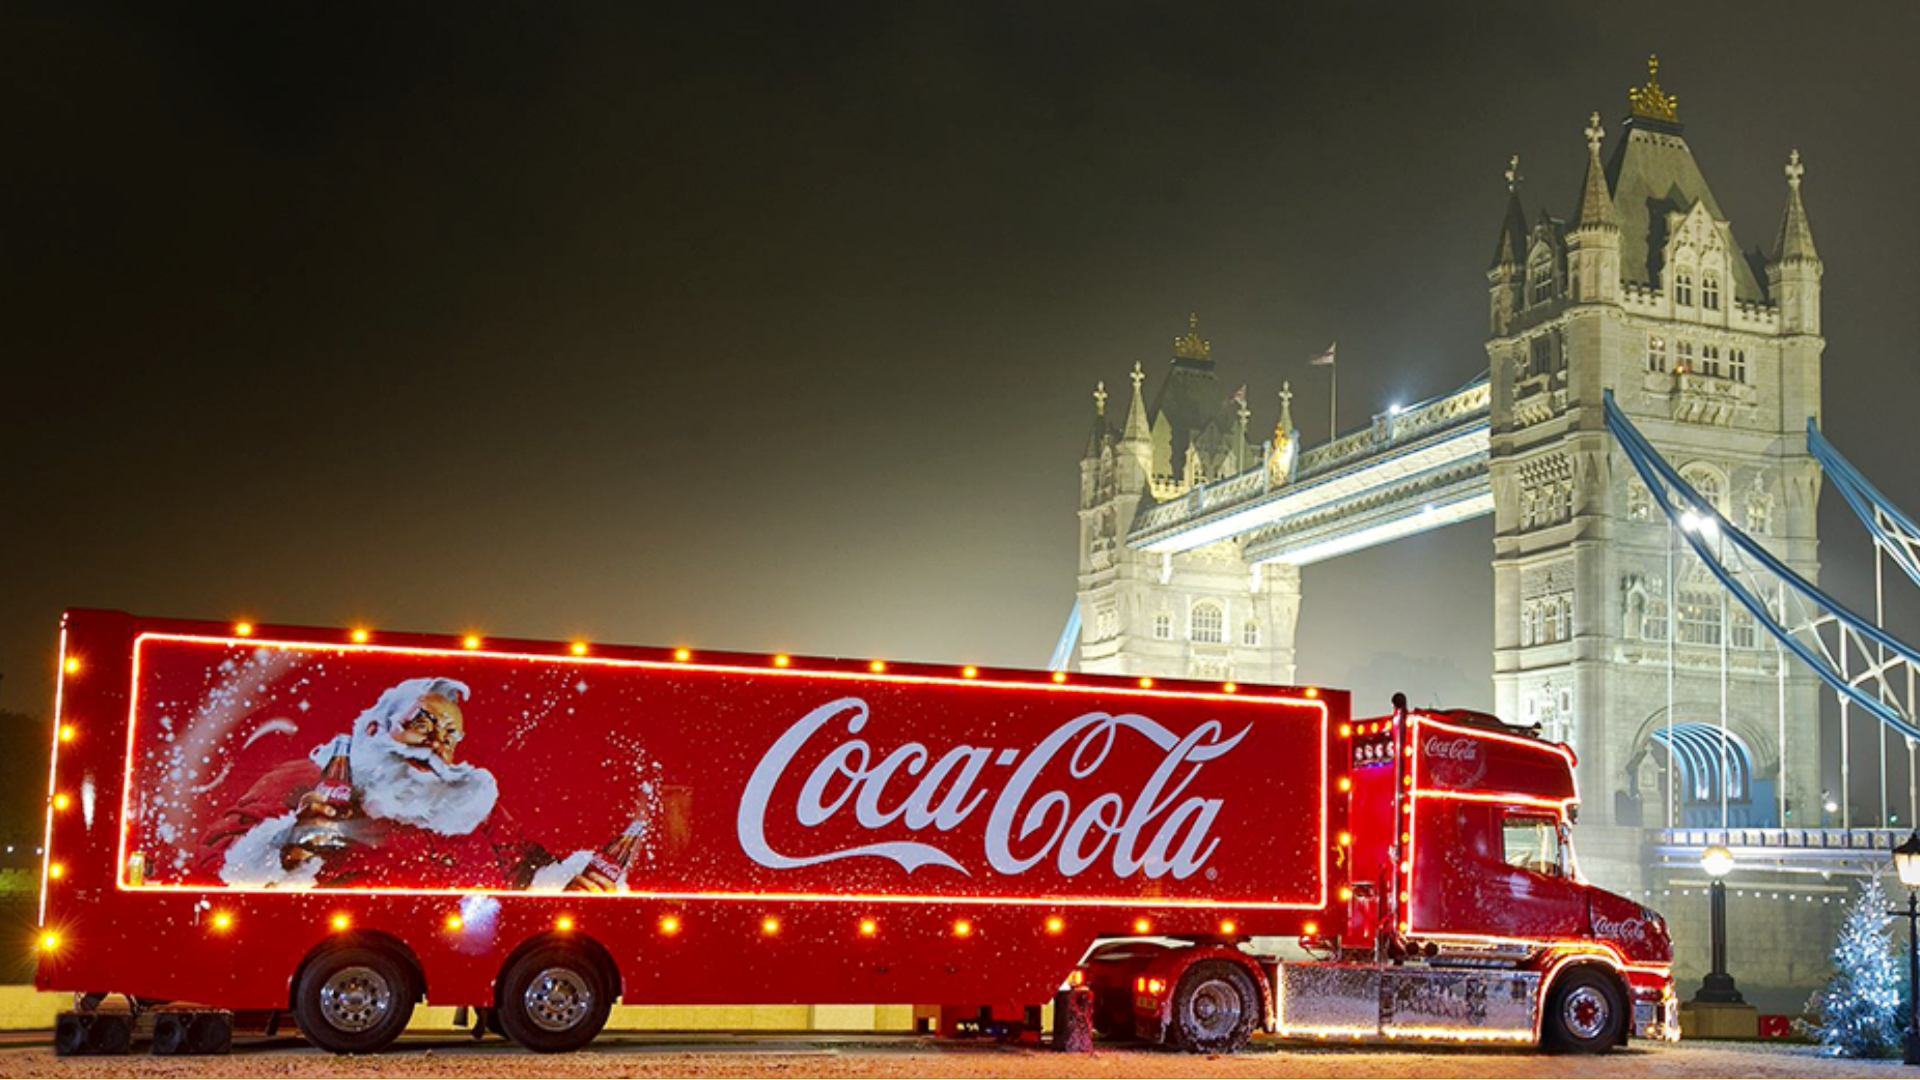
point(1796, 236)
point(1097, 440)
point(1506, 276)
point(1137, 429)
point(1793, 274)
point(1593, 259)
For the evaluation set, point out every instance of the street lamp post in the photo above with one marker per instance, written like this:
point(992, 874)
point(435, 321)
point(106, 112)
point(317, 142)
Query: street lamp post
point(1717, 988)
point(1906, 863)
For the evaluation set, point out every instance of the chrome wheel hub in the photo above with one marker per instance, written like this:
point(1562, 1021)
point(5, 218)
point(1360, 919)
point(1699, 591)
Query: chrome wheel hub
point(1212, 1011)
point(558, 999)
point(1586, 1012)
point(356, 999)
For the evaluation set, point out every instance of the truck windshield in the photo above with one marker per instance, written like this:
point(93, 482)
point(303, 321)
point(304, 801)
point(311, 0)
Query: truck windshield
point(1531, 842)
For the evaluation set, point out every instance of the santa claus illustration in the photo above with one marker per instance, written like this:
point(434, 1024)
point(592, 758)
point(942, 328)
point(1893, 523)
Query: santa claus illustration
point(390, 803)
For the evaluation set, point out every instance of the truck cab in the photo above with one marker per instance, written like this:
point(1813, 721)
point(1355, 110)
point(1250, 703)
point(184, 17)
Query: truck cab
point(1467, 919)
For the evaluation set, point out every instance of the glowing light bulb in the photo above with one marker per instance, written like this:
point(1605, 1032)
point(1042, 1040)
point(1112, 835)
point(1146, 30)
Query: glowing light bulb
point(783, 660)
point(1141, 925)
point(1228, 926)
point(72, 665)
point(1231, 688)
point(340, 921)
point(1313, 691)
point(454, 921)
point(669, 924)
point(769, 926)
point(49, 941)
point(876, 666)
point(1055, 924)
point(868, 928)
point(56, 871)
point(1146, 683)
point(1346, 892)
point(68, 733)
point(471, 641)
point(578, 648)
point(243, 629)
point(361, 635)
point(222, 921)
point(1345, 783)
point(1345, 839)
point(962, 928)
point(564, 924)
point(683, 655)
point(61, 801)
point(1310, 928)
point(969, 672)
point(1059, 676)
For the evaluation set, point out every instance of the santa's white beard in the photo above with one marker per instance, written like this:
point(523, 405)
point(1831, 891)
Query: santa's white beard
point(448, 799)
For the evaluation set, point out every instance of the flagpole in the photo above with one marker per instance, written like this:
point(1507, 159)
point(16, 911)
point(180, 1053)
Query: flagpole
point(1333, 400)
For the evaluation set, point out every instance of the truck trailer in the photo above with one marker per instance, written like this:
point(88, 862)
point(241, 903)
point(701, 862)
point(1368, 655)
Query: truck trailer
point(330, 826)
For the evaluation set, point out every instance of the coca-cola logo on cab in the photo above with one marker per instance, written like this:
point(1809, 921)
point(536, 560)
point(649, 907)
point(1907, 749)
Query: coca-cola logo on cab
point(1462, 749)
point(1033, 813)
point(1634, 930)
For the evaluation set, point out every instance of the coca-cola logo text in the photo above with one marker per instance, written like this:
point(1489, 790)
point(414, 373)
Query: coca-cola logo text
point(1463, 750)
point(1634, 930)
point(1157, 830)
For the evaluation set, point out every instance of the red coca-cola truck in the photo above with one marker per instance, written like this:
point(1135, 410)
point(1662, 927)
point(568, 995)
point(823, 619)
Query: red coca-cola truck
point(332, 825)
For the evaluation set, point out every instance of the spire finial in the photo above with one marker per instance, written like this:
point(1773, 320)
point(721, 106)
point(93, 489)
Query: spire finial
point(1794, 170)
point(1138, 375)
point(1191, 346)
point(1650, 101)
point(1240, 404)
point(1513, 173)
point(1100, 398)
point(1594, 133)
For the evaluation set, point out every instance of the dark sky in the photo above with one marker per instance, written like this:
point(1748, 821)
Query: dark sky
point(776, 328)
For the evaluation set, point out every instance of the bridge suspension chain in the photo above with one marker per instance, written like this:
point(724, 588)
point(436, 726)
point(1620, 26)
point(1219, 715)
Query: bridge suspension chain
point(1815, 627)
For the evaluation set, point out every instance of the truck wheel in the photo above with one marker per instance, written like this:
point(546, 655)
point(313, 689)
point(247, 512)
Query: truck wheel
point(1215, 1008)
point(553, 999)
point(354, 1000)
point(1584, 1013)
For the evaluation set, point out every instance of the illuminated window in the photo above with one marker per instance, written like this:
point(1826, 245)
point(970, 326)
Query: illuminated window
point(1209, 624)
point(1163, 626)
point(1639, 502)
point(1699, 622)
point(1710, 291)
point(1708, 483)
point(1745, 633)
point(1250, 633)
point(1683, 356)
point(1531, 842)
point(1683, 287)
point(1656, 354)
point(1654, 626)
point(1737, 365)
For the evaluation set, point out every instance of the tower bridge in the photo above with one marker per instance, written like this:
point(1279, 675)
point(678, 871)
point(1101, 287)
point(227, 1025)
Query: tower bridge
point(1692, 701)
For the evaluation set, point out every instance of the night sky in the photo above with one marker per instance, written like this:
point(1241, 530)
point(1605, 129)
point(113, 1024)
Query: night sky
point(777, 328)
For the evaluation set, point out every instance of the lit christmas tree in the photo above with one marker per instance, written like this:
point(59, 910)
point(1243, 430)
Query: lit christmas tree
point(1859, 1012)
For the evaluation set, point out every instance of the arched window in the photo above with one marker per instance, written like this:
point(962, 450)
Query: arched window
point(1683, 287)
point(1540, 279)
point(1209, 624)
point(1709, 483)
point(1250, 633)
point(1699, 610)
point(1163, 626)
point(1710, 291)
point(1657, 354)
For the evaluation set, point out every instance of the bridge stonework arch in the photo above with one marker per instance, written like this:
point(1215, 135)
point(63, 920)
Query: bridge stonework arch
point(1713, 350)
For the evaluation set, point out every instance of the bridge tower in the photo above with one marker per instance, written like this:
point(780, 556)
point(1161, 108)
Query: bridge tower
point(1715, 352)
point(1206, 613)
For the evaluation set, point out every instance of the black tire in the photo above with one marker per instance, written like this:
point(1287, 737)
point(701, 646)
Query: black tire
point(354, 999)
point(1216, 1008)
point(1584, 1014)
point(553, 999)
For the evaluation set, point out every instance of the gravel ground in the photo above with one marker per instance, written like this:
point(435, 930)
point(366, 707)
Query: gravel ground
point(792, 1056)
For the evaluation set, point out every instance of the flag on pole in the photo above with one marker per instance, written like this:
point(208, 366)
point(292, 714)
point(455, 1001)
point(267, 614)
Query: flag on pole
point(1325, 359)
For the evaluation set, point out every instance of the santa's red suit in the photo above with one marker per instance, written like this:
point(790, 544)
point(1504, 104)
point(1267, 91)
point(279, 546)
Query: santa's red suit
point(494, 855)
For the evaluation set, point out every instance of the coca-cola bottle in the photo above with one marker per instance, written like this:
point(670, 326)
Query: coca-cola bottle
point(320, 825)
point(607, 870)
